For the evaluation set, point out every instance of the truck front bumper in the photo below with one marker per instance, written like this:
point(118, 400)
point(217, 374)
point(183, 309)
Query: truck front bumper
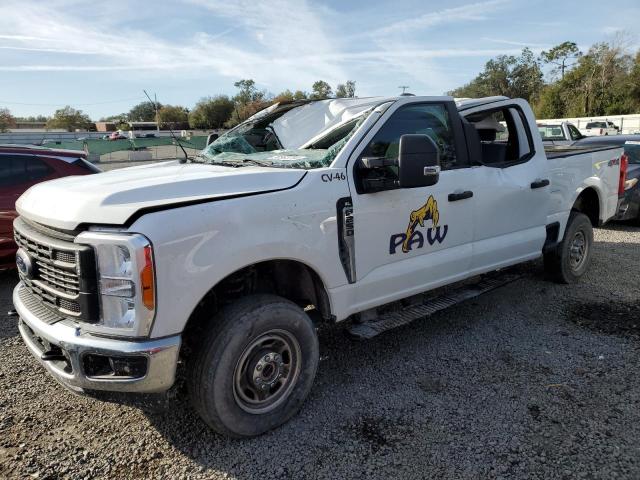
point(81, 361)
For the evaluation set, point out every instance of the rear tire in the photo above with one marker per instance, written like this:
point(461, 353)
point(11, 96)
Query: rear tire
point(571, 258)
point(253, 370)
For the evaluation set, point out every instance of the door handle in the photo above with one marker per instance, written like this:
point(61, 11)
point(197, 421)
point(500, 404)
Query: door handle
point(540, 183)
point(454, 197)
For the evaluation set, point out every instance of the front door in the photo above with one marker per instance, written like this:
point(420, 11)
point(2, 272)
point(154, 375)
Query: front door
point(408, 240)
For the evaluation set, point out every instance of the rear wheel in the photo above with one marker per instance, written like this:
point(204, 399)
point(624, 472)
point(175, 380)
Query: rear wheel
point(254, 369)
point(571, 258)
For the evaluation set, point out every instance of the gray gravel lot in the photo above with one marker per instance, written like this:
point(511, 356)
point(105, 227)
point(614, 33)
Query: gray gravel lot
point(533, 380)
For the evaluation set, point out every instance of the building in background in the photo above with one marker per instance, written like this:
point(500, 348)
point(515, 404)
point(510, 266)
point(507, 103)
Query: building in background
point(105, 127)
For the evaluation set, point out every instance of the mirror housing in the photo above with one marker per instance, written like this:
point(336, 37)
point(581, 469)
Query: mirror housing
point(418, 161)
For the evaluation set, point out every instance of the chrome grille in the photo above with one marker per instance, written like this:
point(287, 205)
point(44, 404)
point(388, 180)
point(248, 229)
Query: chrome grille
point(55, 277)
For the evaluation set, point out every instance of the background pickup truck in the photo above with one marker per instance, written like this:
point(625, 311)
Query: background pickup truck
point(594, 129)
point(308, 212)
point(564, 133)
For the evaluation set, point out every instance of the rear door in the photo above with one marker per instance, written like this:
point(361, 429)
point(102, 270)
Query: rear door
point(410, 239)
point(511, 200)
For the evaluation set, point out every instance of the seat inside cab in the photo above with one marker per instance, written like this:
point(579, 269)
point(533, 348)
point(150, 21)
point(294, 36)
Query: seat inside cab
point(498, 134)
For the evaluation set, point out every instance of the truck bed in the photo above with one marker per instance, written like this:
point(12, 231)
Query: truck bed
point(574, 168)
point(561, 151)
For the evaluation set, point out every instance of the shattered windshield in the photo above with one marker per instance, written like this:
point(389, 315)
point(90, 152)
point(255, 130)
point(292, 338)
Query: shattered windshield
point(256, 143)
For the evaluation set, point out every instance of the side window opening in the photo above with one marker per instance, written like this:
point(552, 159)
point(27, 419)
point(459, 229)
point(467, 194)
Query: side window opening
point(504, 136)
point(427, 119)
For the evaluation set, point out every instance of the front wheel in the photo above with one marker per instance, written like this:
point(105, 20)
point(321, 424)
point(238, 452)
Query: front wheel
point(571, 258)
point(255, 367)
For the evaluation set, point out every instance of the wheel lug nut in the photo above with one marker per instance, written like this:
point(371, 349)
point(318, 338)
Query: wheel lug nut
point(258, 367)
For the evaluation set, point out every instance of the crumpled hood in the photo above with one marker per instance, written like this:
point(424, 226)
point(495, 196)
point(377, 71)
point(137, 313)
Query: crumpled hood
point(113, 197)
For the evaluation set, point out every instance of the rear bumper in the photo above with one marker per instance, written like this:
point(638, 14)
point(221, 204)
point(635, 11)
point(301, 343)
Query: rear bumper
point(75, 348)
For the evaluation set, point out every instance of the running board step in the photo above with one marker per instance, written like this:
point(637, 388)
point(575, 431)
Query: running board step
point(387, 321)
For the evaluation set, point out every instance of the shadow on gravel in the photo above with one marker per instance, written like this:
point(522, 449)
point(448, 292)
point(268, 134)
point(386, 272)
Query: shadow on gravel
point(614, 317)
point(626, 226)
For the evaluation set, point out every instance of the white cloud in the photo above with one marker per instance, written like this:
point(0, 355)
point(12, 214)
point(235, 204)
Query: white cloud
point(281, 43)
point(470, 12)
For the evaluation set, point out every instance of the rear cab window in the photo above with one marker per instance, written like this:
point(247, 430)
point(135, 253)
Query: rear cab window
point(551, 132)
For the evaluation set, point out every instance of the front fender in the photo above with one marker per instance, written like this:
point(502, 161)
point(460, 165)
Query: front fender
point(197, 246)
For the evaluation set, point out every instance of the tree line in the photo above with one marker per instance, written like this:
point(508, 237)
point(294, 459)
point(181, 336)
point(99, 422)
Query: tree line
point(604, 80)
point(220, 111)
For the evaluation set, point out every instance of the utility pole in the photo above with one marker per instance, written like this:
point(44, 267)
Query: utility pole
point(404, 88)
point(155, 107)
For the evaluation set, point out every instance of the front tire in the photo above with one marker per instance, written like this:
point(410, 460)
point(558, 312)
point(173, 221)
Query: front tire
point(571, 258)
point(255, 367)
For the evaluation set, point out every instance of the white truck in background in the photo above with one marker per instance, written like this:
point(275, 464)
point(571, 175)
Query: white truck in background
point(563, 133)
point(601, 127)
point(314, 211)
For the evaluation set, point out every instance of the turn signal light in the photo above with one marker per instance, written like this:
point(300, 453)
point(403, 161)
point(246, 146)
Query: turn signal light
point(147, 280)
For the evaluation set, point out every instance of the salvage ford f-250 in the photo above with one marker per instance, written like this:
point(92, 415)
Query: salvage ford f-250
point(308, 212)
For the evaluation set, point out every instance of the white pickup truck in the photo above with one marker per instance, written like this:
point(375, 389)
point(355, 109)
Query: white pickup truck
point(604, 127)
point(563, 133)
point(308, 212)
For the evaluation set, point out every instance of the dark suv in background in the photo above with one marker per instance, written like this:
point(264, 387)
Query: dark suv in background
point(24, 166)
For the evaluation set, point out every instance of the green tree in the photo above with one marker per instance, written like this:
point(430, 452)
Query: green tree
point(346, 90)
point(560, 56)
point(321, 90)
point(211, 112)
point(173, 114)
point(285, 96)
point(143, 112)
point(247, 92)
point(69, 119)
point(32, 118)
point(300, 95)
point(634, 81)
point(248, 101)
point(551, 103)
point(6, 120)
point(519, 77)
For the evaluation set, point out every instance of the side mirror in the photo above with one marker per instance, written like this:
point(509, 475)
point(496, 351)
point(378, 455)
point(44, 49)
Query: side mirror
point(418, 161)
point(212, 137)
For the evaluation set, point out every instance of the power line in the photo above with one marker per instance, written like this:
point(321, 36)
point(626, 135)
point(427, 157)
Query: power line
point(70, 103)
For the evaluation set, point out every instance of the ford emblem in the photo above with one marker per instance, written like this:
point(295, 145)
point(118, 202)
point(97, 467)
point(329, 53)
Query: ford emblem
point(24, 263)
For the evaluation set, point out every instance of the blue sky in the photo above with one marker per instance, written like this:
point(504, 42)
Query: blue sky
point(98, 56)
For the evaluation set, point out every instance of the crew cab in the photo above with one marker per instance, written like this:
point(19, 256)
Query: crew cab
point(605, 127)
point(563, 133)
point(308, 212)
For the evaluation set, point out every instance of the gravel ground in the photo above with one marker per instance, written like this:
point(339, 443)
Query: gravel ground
point(533, 380)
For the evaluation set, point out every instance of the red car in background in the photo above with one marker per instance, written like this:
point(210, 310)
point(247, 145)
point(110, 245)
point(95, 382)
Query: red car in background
point(24, 166)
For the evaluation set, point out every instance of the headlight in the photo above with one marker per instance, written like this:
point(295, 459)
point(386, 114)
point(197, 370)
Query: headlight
point(126, 281)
